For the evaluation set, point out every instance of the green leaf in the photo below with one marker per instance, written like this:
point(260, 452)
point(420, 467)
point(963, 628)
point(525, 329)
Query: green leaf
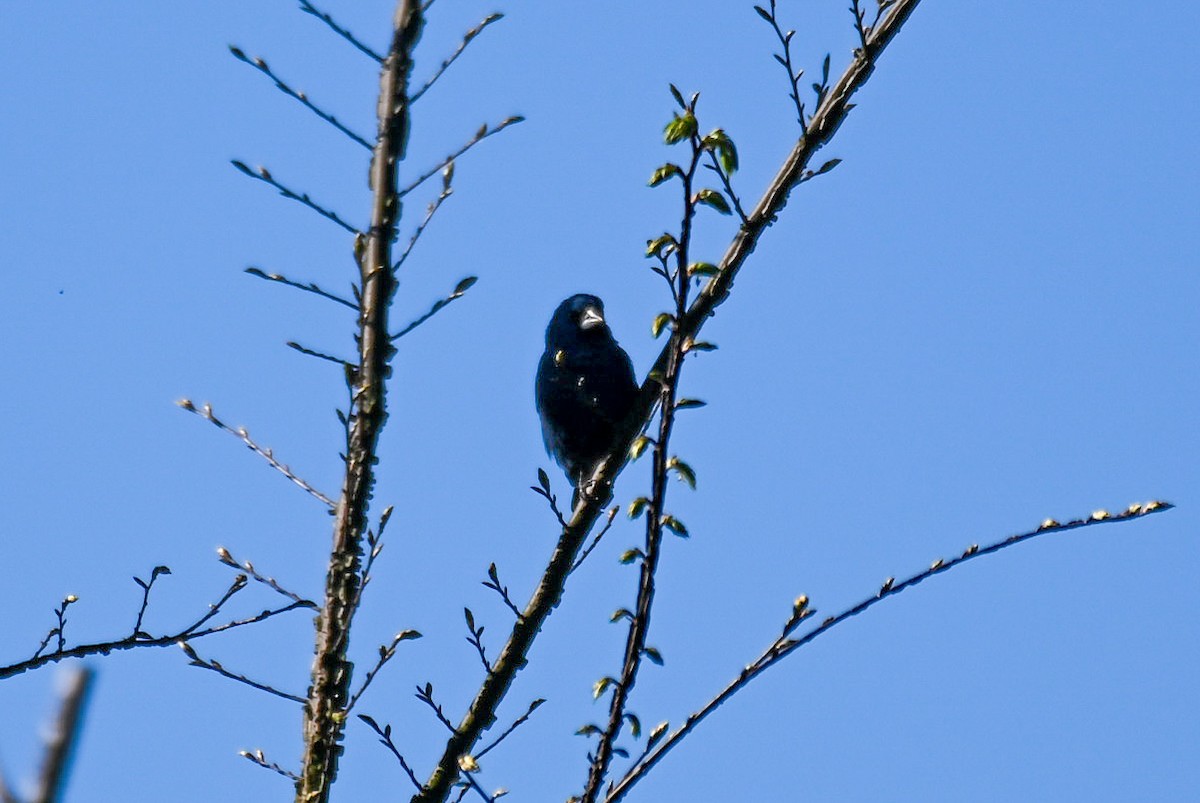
point(653, 655)
point(660, 247)
point(630, 555)
point(637, 506)
point(619, 614)
point(589, 730)
point(825, 168)
point(675, 93)
point(684, 471)
point(660, 730)
point(665, 172)
point(762, 12)
point(720, 143)
point(689, 404)
point(544, 480)
point(638, 446)
point(660, 322)
point(676, 526)
point(714, 199)
point(701, 345)
point(680, 128)
point(408, 635)
point(465, 285)
point(600, 685)
point(702, 269)
point(635, 725)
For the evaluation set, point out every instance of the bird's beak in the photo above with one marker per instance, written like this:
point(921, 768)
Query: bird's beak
point(591, 317)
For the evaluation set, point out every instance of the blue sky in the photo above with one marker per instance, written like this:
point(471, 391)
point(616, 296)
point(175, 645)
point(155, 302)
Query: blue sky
point(985, 316)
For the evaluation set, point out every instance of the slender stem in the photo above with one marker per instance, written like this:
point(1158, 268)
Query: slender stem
point(324, 715)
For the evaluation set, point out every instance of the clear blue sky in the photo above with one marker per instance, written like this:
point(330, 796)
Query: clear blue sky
point(987, 315)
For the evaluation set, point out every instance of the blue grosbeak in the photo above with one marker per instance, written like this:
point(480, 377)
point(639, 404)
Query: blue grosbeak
point(585, 386)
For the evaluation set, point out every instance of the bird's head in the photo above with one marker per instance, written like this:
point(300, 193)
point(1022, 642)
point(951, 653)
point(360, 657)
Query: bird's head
point(578, 318)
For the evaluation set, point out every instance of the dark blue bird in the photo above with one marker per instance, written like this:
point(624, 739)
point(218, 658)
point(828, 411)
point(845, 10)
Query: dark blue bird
point(585, 386)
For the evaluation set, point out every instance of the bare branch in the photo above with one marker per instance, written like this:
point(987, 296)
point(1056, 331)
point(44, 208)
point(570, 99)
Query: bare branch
point(308, 288)
point(493, 582)
point(329, 692)
point(430, 211)
point(309, 8)
point(466, 40)
point(825, 122)
point(264, 175)
point(215, 666)
point(481, 134)
point(612, 514)
point(63, 736)
point(783, 646)
point(206, 413)
point(261, 65)
point(192, 632)
point(521, 720)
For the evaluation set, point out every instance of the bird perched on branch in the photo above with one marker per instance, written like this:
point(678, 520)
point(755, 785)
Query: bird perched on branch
point(585, 386)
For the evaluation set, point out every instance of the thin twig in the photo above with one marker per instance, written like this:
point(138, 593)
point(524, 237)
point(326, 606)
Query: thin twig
point(261, 65)
point(612, 514)
point(146, 586)
point(257, 757)
point(521, 720)
point(308, 288)
point(782, 646)
point(459, 290)
point(425, 695)
point(224, 556)
point(215, 666)
point(264, 175)
point(483, 133)
point(385, 738)
point(430, 211)
point(320, 355)
point(309, 8)
point(386, 652)
point(466, 40)
point(206, 413)
point(493, 582)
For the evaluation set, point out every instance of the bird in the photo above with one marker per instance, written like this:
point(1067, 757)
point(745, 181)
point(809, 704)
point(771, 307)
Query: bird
point(585, 387)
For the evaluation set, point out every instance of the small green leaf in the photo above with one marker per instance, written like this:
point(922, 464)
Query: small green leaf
point(630, 555)
point(589, 730)
point(665, 172)
point(408, 635)
point(653, 655)
point(684, 472)
point(675, 525)
point(675, 93)
point(637, 506)
point(600, 685)
point(702, 269)
point(660, 247)
point(825, 168)
point(660, 322)
point(701, 345)
point(660, 730)
point(619, 614)
point(762, 12)
point(464, 286)
point(638, 446)
point(714, 199)
point(635, 726)
point(544, 480)
point(689, 404)
point(680, 128)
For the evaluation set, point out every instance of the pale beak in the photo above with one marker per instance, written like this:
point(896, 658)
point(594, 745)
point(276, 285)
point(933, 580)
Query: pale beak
point(591, 317)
